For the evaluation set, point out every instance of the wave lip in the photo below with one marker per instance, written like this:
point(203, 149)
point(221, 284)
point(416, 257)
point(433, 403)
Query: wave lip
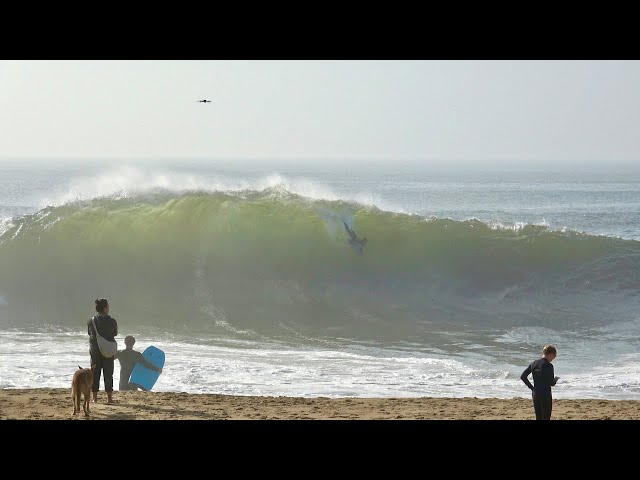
point(128, 182)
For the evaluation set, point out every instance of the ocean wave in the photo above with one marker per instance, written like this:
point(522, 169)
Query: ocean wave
point(272, 261)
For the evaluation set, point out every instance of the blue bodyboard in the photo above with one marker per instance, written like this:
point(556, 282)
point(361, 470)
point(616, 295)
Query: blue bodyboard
point(141, 376)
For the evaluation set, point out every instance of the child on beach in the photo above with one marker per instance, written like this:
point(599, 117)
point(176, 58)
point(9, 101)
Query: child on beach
point(128, 359)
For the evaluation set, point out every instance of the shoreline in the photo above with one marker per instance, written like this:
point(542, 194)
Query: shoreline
point(56, 404)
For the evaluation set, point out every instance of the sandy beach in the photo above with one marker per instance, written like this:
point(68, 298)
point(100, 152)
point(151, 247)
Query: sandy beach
point(56, 404)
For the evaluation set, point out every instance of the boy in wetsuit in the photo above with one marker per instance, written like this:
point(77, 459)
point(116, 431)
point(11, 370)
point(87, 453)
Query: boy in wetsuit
point(543, 380)
point(128, 358)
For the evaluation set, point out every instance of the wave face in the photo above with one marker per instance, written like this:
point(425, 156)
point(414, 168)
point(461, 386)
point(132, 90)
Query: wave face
point(274, 263)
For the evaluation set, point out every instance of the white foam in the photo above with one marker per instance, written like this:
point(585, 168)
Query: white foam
point(272, 368)
point(517, 226)
point(127, 182)
point(5, 225)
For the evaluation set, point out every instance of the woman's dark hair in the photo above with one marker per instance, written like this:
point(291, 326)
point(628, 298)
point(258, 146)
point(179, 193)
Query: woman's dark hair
point(101, 303)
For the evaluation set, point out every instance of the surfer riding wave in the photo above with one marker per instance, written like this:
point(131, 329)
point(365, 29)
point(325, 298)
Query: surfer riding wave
point(356, 243)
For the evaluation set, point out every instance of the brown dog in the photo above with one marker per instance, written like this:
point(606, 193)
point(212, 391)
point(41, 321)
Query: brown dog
point(81, 385)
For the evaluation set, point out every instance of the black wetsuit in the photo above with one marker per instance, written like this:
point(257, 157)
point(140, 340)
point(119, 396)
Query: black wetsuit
point(354, 241)
point(108, 328)
point(543, 380)
point(128, 359)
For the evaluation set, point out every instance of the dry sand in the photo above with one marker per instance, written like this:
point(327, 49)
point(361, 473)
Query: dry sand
point(45, 403)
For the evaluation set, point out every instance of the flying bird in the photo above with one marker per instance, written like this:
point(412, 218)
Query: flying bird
point(204, 101)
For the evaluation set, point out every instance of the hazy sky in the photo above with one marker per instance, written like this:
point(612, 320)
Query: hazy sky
point(543, 110)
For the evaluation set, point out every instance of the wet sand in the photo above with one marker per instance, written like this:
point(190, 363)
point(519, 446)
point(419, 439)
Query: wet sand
point(50, 404)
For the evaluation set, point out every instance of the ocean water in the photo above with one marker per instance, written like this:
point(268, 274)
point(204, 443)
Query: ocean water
point(241, 272)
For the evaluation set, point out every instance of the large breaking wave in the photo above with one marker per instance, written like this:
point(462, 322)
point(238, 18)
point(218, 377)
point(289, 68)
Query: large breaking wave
point(277, 263)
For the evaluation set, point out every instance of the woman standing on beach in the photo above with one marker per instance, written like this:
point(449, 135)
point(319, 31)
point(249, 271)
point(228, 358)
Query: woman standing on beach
point(102, 329)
